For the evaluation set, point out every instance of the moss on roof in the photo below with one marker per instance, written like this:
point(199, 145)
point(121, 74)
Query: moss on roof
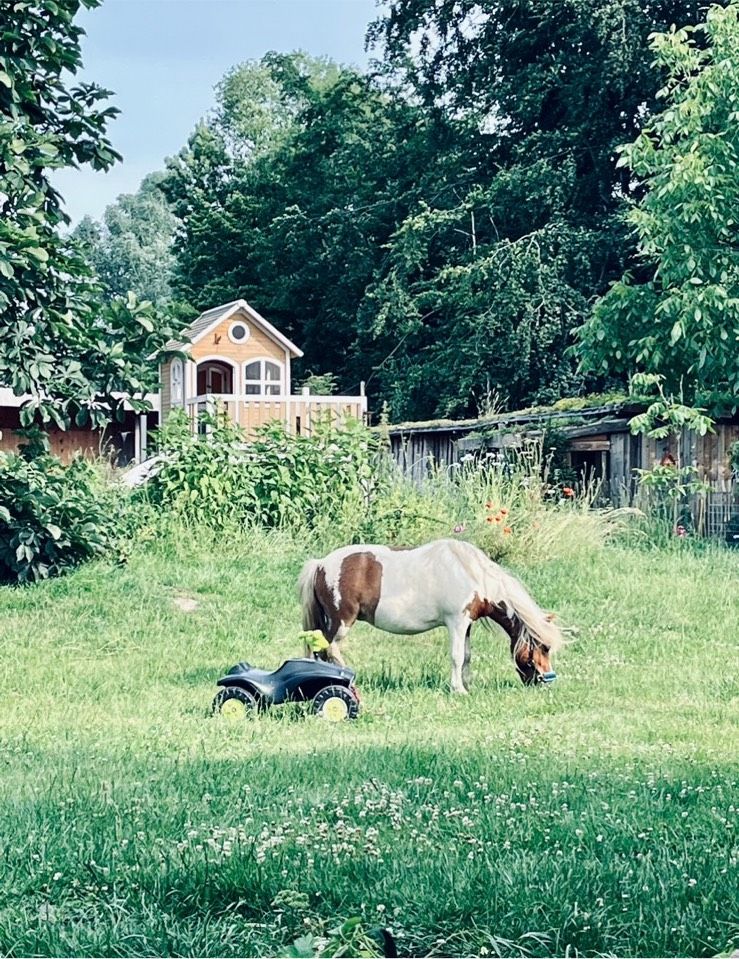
point(594, 402)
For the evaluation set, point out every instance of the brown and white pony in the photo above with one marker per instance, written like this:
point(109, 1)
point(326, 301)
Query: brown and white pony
point(444, 583)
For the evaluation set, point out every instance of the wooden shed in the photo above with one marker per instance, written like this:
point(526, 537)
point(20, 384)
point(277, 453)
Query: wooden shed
point(121, 441)
point(599, 446)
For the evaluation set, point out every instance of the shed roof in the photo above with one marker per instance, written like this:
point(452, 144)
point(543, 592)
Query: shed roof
point(562, 410)
point(217, 314)
point(10, 400)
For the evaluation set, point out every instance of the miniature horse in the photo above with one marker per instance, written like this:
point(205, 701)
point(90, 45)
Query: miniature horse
point(444, 583)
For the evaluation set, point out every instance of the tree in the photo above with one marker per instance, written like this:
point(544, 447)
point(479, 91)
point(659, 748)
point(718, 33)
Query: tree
point(677, 313)
point(323, 229)
point(57, 343)
point(557, 81)
point(132, 249)
point(260, 100)
point(298, 228)
point(506, 260)
point(438, 229)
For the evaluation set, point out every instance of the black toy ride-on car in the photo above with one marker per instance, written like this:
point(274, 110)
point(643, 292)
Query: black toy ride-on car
point(330, 689)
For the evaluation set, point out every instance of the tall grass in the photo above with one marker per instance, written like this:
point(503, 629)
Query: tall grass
point(509, 508)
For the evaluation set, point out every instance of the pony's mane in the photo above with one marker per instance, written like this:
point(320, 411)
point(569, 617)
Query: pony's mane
point(501, 586)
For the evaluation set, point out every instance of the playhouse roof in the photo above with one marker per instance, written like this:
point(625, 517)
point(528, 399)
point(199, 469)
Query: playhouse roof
point(217, 314)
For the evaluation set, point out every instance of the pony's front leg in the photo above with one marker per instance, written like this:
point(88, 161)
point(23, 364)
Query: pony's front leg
point(459, 643)
point(467, 656)
point(333, 653)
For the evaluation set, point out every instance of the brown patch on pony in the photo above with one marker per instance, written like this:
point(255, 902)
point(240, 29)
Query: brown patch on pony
point(325, 603)
point(359, 583)
point(478, 608)
point(360, 580)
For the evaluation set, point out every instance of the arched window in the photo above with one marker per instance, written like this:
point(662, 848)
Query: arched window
point(263, 377)
point(175, 382)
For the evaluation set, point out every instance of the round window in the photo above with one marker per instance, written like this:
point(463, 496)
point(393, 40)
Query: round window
point(238, 332)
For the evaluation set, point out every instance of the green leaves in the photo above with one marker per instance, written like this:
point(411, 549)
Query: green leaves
point(442, 245)
point(51, 516)
point(132, 248)
point(60, 341)
point(686, 328)
point(277, 480)
point(666, 416)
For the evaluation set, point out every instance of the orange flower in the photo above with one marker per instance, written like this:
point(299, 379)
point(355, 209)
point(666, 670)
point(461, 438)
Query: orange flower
point(503, 511)
point(498, 518)
point(490, 520)
point(568, 491)
point(489, 505)
point(507, 530)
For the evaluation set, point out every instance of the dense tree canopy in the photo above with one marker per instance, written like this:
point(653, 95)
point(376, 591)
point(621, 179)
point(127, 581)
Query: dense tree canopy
point(440, 227)
point(132, 248)
point(677, 314)
point(545, 92)
point(299, 229)
point(57, 342)
point(561, 82)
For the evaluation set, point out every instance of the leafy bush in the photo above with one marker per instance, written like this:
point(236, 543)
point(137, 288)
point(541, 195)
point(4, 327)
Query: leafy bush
point(511, 507)
point(514, 509)
point(275, 480)
point(51, 516)
point(343, 487)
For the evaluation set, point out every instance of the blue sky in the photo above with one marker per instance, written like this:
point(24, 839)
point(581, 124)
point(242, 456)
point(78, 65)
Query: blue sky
point(162, 59)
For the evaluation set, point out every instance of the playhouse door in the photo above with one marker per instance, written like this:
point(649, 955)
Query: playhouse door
point(215, 377)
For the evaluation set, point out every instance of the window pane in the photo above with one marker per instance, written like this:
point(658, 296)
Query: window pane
point(272, 389)
point(272, 372)
point(238, 331)
point(252, 389)
point(252, 371)
point(176, 383)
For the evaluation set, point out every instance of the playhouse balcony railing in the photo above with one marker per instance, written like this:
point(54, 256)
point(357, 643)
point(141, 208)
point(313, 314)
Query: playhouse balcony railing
point(299, 412)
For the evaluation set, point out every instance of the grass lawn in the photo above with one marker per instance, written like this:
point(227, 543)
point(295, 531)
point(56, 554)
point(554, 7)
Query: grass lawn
point(594, 817)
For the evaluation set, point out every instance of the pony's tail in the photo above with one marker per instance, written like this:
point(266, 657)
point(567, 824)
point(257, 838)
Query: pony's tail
point(540, 624)
point(312, 612)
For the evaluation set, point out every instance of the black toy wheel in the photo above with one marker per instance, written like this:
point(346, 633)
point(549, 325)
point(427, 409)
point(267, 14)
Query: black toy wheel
point(336, 703)
point(235, 703)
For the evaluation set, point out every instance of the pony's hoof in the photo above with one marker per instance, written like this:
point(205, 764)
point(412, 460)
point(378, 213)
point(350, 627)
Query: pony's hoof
point(460, 691)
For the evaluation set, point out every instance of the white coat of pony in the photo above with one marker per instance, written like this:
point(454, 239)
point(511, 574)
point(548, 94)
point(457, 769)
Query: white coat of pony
point(439, 584)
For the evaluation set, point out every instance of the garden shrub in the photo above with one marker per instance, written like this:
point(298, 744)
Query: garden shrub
point(52, 516)
point(275, 480)
point(514, 510)
point(342, 486)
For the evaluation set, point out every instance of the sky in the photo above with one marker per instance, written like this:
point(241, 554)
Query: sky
point(162, 59)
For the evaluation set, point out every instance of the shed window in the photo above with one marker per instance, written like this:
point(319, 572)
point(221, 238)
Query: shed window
point(263, 378)
point(175, 381)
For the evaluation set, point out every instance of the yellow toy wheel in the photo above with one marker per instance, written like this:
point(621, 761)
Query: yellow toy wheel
point(235, 703)
point(335, 704)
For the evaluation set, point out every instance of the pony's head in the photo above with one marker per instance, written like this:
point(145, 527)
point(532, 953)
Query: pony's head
point(532, 659)
point(533, 640)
